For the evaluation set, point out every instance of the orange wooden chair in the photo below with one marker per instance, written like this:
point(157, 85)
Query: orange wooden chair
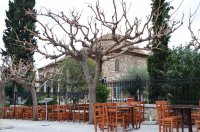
point(39, 112)
point(78, 112)
point(51, 112)
point(86, 112)
point(43, 112)
point(67, 112)
point(8, 112)
point(99, 116)
point(56, 113)
point(197, 123)
point(195, 115)
point(127, 113)
point(142, 106)
point(18, 112)
point(137, 114)
point(27, 113)
point(114, 117)
point(165, 120)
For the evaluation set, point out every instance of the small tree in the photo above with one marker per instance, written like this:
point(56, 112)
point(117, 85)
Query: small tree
point(102, 93)
point(139, 76)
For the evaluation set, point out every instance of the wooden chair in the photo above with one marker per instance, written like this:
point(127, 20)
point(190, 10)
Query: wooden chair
point(67, 113)
point(56, 113)
point(99, 116)
point(51, 109)
point(18, 112)
point(138, 113)
point(132, 99)
point(197, 123)
point(114, 116)
point(142, 106)
point(86, 114)
point(27, 113)
point(43, 112)
point(127, 113)
point(166, 122)
point(39, 112)
point(79, 112)
point(59, 113)
point(8, 112)
point(195, 115)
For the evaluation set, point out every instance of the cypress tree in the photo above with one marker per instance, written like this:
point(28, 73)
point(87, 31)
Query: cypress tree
point(16, 22)
point(159, 45)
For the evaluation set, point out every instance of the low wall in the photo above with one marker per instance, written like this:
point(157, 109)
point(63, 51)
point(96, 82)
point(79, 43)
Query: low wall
point(150, 113)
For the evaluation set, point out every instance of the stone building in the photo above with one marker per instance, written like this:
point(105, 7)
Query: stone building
point(114, 68)
point(119, 66)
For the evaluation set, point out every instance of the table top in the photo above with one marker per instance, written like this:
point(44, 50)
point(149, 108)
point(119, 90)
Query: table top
point(182, 106)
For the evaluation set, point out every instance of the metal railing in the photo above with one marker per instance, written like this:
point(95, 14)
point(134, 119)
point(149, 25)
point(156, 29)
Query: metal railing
point(177, 91)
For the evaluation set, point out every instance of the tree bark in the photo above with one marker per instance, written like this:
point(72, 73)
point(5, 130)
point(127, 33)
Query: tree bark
point(2, 94)
point(34, 97)
point(92, 84)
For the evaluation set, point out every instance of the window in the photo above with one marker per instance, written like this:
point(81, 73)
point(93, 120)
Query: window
point(117, 91)
point(117, 65)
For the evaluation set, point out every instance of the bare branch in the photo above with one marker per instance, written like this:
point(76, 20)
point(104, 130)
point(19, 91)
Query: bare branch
point(195, 38)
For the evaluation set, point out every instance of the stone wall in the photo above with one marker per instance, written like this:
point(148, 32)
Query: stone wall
point(125, 63)
point(150, 113)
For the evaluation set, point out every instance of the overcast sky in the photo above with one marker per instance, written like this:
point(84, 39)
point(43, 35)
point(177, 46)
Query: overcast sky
point(139, 8)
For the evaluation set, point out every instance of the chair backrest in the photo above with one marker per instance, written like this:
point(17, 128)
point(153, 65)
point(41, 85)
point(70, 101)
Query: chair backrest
point(99, 111)
point(132, 99)
point(162, 109)
point(159, 110)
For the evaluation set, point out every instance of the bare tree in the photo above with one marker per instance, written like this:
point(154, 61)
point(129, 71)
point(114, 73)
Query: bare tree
point(23, 74)
point(92, 38)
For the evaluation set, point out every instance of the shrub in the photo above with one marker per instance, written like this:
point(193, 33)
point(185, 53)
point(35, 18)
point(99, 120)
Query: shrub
point(102, 93)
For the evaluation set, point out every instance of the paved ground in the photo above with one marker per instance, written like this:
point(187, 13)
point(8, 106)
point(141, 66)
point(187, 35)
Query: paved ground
point(42, 126)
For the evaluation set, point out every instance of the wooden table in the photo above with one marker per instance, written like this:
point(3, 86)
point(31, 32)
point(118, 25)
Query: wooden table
point(187, 110)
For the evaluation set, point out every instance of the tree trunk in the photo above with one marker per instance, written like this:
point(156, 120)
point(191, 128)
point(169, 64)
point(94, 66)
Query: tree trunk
point(92, 97)
point(92, 90)
point(2, 94)
point(92, 84)
point(34, 97)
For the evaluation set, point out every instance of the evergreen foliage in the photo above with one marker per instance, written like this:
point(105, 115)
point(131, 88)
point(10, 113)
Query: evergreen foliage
point(182, 66)
point(102, 93)
point(183, 63)
point(72, 79)
point(16, 22)
point(159, 45)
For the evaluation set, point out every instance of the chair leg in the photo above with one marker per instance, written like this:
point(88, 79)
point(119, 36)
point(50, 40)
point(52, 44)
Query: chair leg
point(172, 126)
point(159, 128)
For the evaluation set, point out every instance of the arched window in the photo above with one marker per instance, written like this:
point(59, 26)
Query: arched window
point(116, 65)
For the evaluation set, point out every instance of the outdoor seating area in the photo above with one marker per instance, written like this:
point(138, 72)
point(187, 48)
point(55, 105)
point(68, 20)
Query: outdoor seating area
point(69, 112)
point(110, 116)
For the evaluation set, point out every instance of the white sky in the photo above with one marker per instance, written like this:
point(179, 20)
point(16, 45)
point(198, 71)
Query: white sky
point(139, 8)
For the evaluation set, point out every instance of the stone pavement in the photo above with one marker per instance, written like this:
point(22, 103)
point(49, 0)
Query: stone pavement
point(12, 125)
